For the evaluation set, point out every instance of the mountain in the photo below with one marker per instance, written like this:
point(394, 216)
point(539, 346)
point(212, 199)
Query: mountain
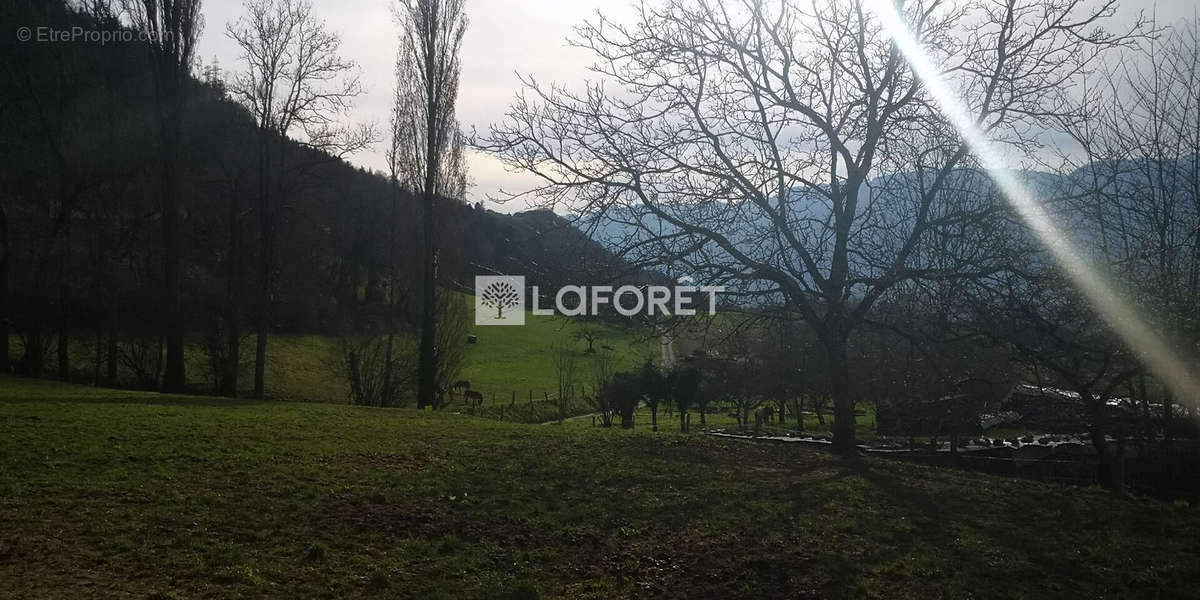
point(893, 199)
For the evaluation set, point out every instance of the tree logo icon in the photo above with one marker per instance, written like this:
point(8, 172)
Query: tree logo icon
point(500, 295)
point(500, 300)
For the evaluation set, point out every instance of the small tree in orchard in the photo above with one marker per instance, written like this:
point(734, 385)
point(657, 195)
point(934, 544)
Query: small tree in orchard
point(501, 296)
point(654, 388)
point(600, 400)
point(685, 390)
point(737, 382)
point(625, 392)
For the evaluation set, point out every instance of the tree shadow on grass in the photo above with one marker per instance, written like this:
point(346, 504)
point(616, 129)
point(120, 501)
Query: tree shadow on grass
point(996, 535)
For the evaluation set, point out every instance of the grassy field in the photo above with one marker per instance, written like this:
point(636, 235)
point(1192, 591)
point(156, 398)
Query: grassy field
point(504, 361)
point(137, 495)
point(518, 359)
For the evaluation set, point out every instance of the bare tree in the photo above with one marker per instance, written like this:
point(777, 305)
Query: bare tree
point(1054, 331)
point(170, 29)
point(398, 132)
point(564, 372)
point(295, 84)
point(1134, 170)
point(655, 389)
point(456, 321)
point(367, 354)
point(431, 161)
point(684, 384)
point(590, 335)
point(789, 147)
point(602, 400)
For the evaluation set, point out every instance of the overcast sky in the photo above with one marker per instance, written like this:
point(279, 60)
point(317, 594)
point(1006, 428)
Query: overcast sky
point(505, 37)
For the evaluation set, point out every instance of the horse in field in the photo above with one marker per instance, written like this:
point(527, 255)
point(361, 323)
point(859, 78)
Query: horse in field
point(473, 398)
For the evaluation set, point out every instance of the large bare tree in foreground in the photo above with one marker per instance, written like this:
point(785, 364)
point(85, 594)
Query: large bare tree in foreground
point(170, 28)
point(788, 145)
point(428, 157)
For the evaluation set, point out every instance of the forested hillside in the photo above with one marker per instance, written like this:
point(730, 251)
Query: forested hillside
point(81, 234)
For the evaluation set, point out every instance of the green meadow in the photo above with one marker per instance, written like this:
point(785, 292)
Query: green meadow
point(116, 494)
point(505, 361)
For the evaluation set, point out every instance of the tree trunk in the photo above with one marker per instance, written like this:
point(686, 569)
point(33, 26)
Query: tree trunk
point(64, 333)
point(233, 301)
point(233, 358)
point(64, 357)
point(427, 360)
point(31, 361)
point(654, 418)
point(100, 267)
point(260, 323)
point(1108, 474)
point(99, 355)
point(266, 254)
point(174, 379)
point(391, 295)
point(843, 403)
point(356, 390)
point(113, 329)
point(386, 399)
point(5, 310)
point(1168, 414)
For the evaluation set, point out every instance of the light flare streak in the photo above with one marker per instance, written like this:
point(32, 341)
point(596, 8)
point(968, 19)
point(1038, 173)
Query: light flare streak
point(1112, 306)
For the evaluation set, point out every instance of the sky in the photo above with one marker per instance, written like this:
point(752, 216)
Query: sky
point(504, 38)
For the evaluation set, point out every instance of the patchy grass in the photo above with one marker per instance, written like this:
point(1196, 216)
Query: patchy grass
point(518, 359)
point(121, 494)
